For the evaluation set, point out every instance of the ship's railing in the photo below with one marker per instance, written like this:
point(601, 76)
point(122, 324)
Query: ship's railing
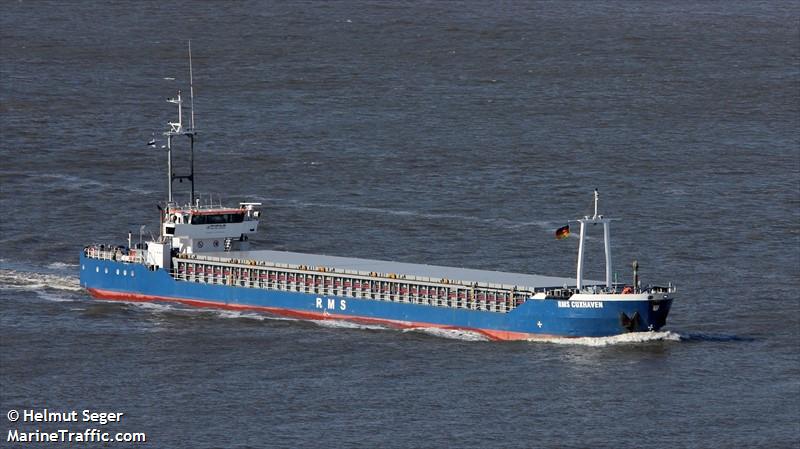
point(330, 283)
point(116, 253)
point(364, 274)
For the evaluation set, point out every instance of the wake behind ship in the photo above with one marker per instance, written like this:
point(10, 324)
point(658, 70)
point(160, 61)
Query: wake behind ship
point(202, 258)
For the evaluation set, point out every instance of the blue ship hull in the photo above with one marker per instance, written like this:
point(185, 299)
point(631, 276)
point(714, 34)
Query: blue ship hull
point(115, 280)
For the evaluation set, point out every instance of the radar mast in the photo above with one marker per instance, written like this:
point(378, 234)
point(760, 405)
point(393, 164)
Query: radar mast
point(177, 129)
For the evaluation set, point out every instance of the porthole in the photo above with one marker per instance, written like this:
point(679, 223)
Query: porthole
point(97, 269)
point(105, 270)
point(133, 273)
point(117, 271)
point(124, 272)
point(83, 267)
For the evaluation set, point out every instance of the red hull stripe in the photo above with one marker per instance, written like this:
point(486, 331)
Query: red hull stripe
point(489, 333)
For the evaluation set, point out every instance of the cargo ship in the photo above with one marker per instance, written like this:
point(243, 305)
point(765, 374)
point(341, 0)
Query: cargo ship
point(202, 258)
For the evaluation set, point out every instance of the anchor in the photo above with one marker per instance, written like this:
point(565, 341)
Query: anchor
point(630, 324)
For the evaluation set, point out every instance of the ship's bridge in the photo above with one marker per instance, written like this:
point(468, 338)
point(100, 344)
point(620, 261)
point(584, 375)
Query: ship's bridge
point(198, 229)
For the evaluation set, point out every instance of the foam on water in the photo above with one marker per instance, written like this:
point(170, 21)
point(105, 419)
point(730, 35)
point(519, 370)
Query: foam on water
point(28, 280)
point(452, 334)
point(62, 266)
point(630, 338)
point(163, 307)
point(154, 306)
point(50, 296)
point(235, 314)
point(341, 324)
point(238, 315)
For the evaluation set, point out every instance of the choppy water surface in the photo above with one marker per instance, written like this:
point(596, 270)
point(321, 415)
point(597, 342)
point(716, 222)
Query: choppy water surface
point(447, 133)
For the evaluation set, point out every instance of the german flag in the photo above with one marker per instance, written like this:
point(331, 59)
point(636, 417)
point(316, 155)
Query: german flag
point(562, 232)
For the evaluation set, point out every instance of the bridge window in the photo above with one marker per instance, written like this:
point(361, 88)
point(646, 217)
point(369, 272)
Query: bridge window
point(217, 219)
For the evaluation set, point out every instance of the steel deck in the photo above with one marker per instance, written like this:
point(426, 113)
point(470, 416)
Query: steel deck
point(434, 272)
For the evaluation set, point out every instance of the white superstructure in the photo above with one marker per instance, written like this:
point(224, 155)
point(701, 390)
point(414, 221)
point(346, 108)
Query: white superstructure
point(195, 228)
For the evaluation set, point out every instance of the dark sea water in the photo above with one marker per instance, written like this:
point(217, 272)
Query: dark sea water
point(451, 133)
